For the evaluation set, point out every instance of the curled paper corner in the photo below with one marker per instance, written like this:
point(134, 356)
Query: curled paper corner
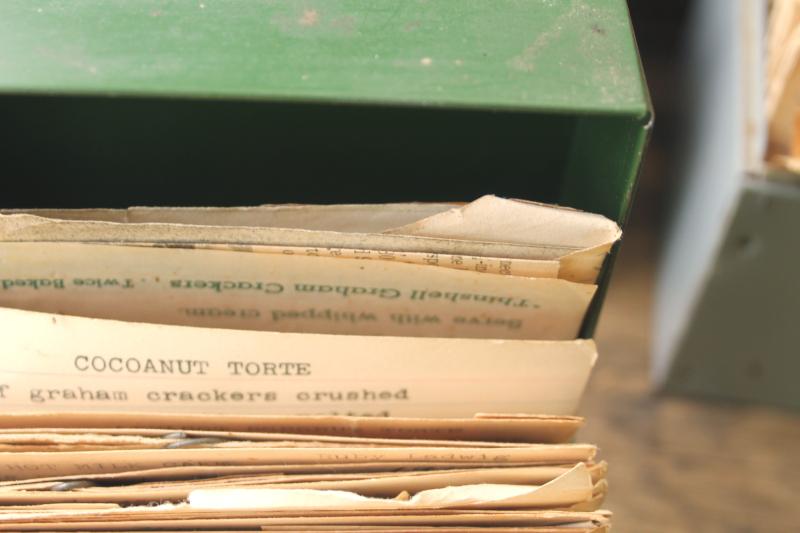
point(573, 486)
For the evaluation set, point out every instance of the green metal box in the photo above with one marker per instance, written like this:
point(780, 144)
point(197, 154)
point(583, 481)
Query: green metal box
point(234, 102)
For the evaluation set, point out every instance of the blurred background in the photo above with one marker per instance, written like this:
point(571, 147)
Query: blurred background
point(711, 445)
point(679, 462)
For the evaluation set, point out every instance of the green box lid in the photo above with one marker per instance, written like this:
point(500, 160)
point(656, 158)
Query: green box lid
point(240, 102)
point(554, 55)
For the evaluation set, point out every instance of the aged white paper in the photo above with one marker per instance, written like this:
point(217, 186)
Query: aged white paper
point(277, 292)
point(65, 363)
point(490, 227)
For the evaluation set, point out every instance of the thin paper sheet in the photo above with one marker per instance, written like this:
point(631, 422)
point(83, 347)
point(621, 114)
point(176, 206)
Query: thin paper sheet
point(373, 484)
point(67, 363)
point(570, 487)
point(276, 292)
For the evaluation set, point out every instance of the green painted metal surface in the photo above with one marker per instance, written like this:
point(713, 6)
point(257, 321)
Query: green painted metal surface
point(240, 102)
point(558, 55)
point(742, 338)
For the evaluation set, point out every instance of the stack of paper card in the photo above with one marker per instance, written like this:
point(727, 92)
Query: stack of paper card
point(120, 324)
point(95, 472)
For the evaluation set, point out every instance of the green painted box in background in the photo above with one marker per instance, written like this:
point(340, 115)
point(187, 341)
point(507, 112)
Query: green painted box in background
point(241, 102)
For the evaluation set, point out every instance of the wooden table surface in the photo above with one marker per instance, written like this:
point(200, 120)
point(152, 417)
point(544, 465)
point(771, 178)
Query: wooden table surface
point(681, 464)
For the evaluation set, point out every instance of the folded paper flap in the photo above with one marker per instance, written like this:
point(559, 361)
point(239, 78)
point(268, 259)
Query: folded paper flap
point(490, 226)
point(31, 228)
point(525, 232)
point(579, 229)
point(495, 219)
point(571, 487)
point(583, 266)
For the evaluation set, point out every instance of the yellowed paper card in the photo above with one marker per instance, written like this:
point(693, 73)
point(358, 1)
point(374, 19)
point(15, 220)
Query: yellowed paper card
point(471, 430)
point(273, 292)
point(579, 240)
point(181, 517)
point(571, 487)
point(438, 529)
point(37, 464)
point(179, 473)
point(64, 363)
point(376, 484)
point(490, 227)
point(111, 437)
